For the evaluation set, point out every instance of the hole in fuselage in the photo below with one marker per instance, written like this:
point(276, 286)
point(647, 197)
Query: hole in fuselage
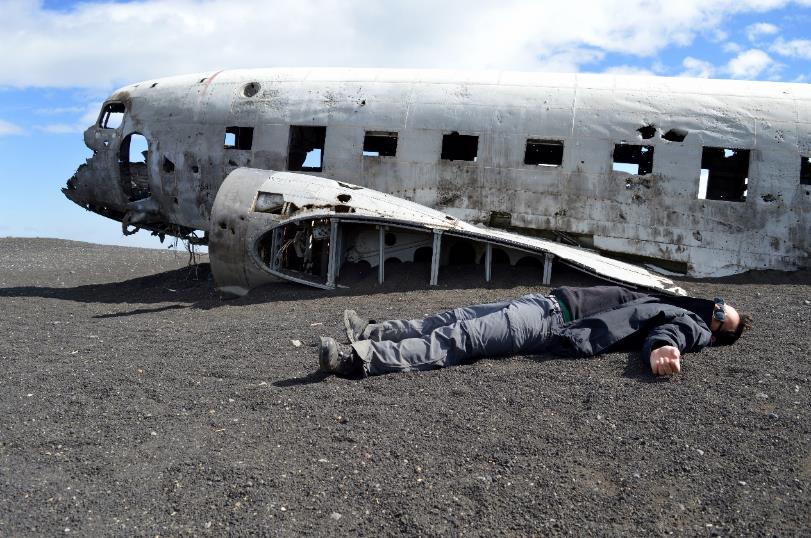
point(251, 89)
point(423, 254)
point(132, 167)
point(462, 253)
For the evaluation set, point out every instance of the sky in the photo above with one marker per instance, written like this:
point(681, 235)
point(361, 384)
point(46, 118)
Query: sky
point(60, 59)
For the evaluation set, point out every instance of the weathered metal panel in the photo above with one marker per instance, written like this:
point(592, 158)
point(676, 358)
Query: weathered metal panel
point(238, 228)
point(183, 119)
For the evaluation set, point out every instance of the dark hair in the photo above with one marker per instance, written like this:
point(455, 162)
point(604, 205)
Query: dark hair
point(727, 338)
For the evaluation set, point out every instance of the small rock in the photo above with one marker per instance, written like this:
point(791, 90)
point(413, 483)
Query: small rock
point(762, 396)
point(807, 302)
point(335, 515)
point(296, 343)
point(700, 452)
point(774, 416)
point(741, 482)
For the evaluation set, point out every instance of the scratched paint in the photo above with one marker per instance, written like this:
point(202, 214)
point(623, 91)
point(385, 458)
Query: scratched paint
point(254, 204)
point(659, 216)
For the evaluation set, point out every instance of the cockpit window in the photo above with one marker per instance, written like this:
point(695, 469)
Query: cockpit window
point(111, 115)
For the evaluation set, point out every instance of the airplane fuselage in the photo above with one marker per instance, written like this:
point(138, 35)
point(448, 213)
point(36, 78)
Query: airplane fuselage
point(709, 176)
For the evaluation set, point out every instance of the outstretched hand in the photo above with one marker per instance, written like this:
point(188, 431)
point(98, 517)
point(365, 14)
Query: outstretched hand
point(665, 360)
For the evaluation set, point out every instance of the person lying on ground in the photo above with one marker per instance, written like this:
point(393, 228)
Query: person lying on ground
point(570, 322)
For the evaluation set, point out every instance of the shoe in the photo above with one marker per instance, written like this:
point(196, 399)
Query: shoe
point(355, 325)
point(333, 360)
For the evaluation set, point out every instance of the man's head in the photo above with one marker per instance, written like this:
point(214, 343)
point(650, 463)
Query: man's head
point(727, 324)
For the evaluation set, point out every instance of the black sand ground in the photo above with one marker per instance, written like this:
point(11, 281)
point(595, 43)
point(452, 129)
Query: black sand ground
point(135, 402)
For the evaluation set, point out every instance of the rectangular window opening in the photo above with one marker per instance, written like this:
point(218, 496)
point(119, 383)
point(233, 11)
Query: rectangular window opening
point(724, 174)
point(112, 115)
point(633, 159)
point(238, 137)
point(805, 171)
point(306, 150)
point(380, 144)
point(544, 152)
point(456, 147)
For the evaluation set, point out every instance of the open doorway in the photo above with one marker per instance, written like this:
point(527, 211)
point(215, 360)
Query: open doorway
point(132, 166)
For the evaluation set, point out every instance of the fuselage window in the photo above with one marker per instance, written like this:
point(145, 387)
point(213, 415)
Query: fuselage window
point(456, 147)
point(305, 152)
point(112, 115)
point(805, 171)
point(238, 137)
point(544, 152)
point(724, 174)
point(380, 144)
point(633, 159)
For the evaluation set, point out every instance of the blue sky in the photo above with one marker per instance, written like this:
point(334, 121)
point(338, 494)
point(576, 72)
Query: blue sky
point(61, 59)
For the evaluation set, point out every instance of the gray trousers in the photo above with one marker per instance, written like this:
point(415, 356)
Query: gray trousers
point(513, 327)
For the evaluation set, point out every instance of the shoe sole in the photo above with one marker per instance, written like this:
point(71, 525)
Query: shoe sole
point(323, 355)
point(348, 327)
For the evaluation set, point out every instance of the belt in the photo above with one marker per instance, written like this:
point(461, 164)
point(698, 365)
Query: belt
point(565, 315)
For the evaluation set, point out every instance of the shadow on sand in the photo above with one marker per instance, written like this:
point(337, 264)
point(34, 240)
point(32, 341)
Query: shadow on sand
point(193, 287)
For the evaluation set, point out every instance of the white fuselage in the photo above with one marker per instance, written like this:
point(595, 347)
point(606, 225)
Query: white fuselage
point(755, 213)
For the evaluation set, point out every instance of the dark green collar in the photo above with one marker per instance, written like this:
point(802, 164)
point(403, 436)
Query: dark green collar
point(564, 310)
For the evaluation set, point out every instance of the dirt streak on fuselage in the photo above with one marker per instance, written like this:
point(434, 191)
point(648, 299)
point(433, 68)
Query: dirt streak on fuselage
point(751, 138)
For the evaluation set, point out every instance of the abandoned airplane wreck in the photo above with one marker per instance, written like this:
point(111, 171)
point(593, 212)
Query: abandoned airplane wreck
point(702, 177)
point(281, 225)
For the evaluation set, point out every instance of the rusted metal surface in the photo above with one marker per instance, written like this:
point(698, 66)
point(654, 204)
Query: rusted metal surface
point(668, 214)
point(268, 225)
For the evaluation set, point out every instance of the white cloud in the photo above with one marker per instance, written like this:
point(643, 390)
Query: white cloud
point(61, 128)
point(58, 111)
point(750, 64)
point(629, 70)
point(755, 31)
point(731, 48)
point(693, 67)
point(8, 128)
point(91, 113)
point(99, 44)
point(659, 68)
point(718, 35)
point(795, 48)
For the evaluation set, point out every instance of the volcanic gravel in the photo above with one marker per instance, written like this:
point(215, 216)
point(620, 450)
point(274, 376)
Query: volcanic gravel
point(136, 401)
